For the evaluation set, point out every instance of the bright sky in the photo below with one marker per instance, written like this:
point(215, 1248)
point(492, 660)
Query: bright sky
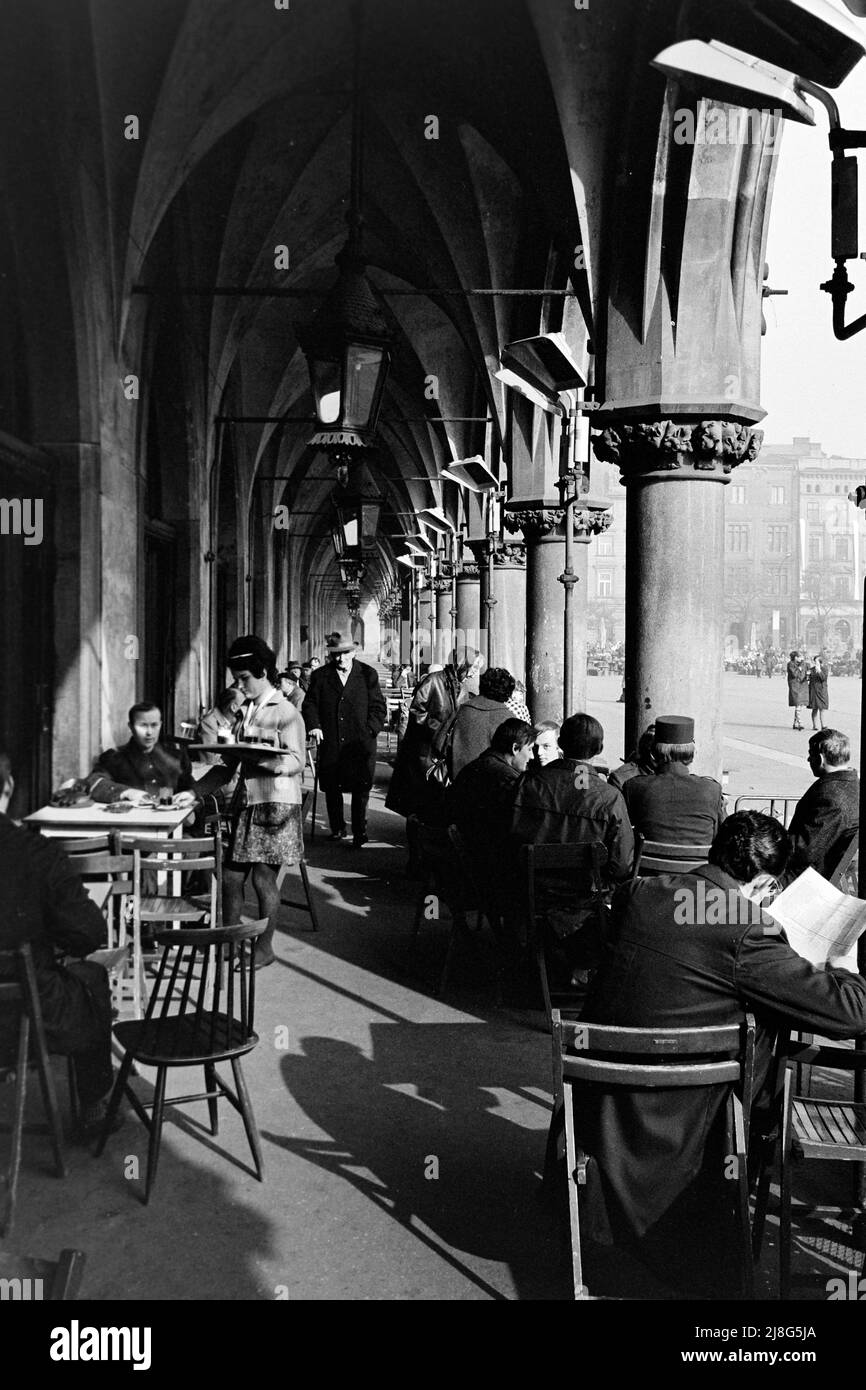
point(811, 384)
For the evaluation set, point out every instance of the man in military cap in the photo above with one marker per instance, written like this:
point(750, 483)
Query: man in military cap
point(674, 806)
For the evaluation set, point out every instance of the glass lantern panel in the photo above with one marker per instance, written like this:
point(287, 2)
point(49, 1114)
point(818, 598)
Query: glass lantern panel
point(363, 365)
point(326, 388)
point(350, 531)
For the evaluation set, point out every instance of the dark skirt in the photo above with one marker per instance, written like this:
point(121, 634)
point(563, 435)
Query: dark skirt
point(798, 693)
point(271, 833)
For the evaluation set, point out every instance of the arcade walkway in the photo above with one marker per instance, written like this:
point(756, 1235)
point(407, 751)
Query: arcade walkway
point(403, 1135)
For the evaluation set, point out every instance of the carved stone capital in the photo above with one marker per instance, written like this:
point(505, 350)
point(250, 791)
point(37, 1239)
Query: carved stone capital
point(535, 524)
point(677, 449)
point(589, 522)
point(442, 585)
point(469, 572)
point(511, 555)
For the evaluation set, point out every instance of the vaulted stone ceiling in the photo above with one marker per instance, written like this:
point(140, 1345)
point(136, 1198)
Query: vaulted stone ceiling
point(244, 115)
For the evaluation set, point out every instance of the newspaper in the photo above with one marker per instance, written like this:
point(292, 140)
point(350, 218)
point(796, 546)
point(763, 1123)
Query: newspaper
point(818, 920)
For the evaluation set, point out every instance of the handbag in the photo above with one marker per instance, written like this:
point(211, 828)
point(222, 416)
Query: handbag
point(440, 768)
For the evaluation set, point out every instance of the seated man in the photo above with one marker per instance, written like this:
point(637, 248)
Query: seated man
point(641, 763)
point(478, 717)
point(142, 766)
point(480, 801)
point(662, 1174)
point(42, 901)
point(829, 813)
point(289, 682)
point(569, 802)
point(674, 806)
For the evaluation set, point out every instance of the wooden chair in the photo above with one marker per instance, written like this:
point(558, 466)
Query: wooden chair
point(808, 1128)
point(487, 908)
point(442, 880)
point(656, 857)
point(844, 876)
point(19, 997)
point(657, 1058)
point(176, 858)
point(201, 1012)
point(54, 1281)
point(109, 879)
point(91, 844)
point(584, 863)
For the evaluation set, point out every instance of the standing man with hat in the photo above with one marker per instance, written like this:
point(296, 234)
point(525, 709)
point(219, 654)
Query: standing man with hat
point(344, 710)
point(674, 806)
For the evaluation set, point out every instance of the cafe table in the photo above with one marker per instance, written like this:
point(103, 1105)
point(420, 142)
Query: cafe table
point(66, 822)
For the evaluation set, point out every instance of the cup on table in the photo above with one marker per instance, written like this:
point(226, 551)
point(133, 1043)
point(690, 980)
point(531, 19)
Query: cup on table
point(165, 796)
point(225, 736)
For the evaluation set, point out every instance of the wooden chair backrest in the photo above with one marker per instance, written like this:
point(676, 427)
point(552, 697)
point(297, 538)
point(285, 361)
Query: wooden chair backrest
point(657, 1057)
point(660, 857)
point(198, 979)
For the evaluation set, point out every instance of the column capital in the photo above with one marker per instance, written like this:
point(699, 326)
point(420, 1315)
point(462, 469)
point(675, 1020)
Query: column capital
point(678, 448)
point(511, 555)
point(469, 572)
point(535, 523)
point(442, 585)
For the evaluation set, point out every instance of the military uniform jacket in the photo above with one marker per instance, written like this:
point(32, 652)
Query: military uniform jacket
point(569, 803)
point(674, 806)
point(659, 970)
point(119, 768)
point(350, 717)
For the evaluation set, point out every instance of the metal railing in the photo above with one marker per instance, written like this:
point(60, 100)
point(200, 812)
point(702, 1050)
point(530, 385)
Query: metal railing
point(782, 807)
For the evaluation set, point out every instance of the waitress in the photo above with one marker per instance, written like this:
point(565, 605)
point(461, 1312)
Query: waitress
point(267, 830)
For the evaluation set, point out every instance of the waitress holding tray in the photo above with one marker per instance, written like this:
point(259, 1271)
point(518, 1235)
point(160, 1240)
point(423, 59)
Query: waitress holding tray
point(267, 829)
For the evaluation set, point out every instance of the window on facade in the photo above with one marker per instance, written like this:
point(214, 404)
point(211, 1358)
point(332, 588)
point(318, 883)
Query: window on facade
point(842, 586)
point(813, 511)
point(777, 496)
point(605, 545)
point(814, 547)
point(777, 538)
point(605, 584)
point(738, 538)
point(841, 548)
point(736, 494)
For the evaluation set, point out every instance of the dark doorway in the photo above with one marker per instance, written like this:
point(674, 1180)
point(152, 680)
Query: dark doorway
point(159, 626)
point(26, 628)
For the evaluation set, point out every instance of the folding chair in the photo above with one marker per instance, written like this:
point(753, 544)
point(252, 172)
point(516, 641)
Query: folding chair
point(176, 858)
point(657, 857)
point(657, 1058)
point(807, 1128)
point(54, 1281)
point(19, 997)
point(582, 862)
point(308, 905)
point(201, 1012)
point(109, 879)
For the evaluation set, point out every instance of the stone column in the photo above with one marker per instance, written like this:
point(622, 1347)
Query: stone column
point(425, 606)
point(674, 472)
point(509, 615)
point(469, 607)
point(442, 647)
point(545, 561)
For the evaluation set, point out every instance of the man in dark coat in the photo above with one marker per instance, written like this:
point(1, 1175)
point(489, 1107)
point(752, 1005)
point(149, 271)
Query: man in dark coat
point(143, 765)
point(672, 960)
point(569, 802)
point(480, 801)
point(42, 901)
point(344, 711)
point(674, 806)
point(828, 814)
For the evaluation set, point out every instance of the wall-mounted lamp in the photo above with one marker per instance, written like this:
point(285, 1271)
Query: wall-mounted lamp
point(721, 73)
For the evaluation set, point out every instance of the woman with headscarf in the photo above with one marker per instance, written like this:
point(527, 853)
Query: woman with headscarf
point(267, 830)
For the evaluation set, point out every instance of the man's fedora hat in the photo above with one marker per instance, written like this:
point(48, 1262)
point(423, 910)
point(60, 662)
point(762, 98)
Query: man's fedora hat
point(675, 728)
point(337, 643)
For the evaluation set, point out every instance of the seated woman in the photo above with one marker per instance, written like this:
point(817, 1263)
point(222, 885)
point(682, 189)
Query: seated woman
point(659, 1153)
